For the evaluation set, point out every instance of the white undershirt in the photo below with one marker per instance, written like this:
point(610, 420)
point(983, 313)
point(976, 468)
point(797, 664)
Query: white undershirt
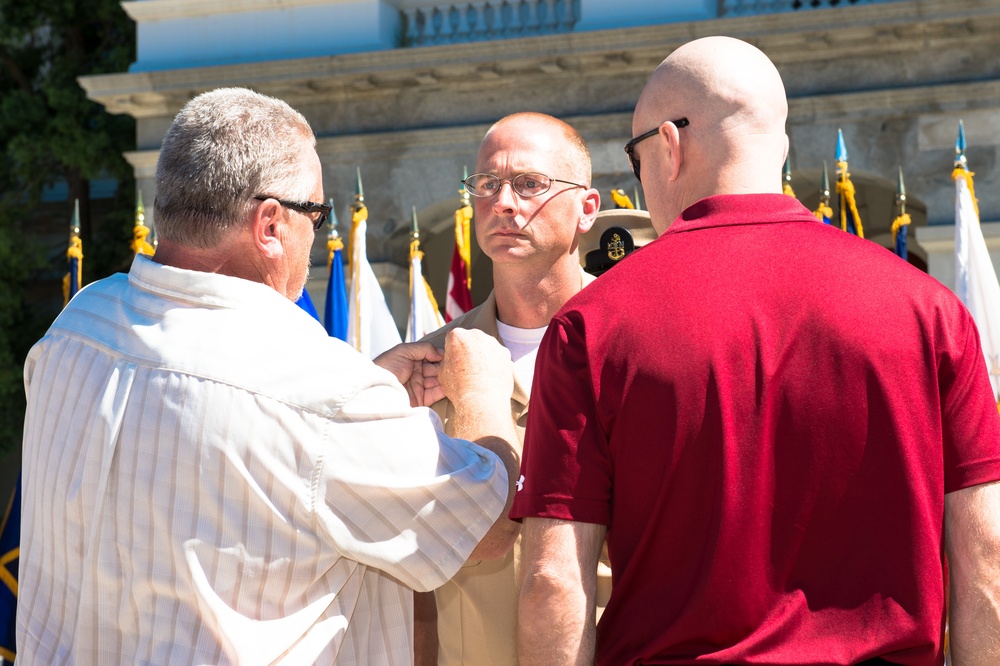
point(523, 346)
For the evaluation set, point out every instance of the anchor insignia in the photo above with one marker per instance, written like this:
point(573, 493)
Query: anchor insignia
point(616, 248)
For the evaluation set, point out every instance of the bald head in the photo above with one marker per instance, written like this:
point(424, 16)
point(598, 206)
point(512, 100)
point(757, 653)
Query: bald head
point(734, 99)
point(567, 144)
point(719, 83)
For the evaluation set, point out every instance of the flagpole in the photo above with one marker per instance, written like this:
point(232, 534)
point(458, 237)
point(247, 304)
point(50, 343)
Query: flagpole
point(371, 328)
point(975, 276)
point(845, 188)
point(902, 222)
point(359, 214)
point(335, 308)
point(458, 297)
point(415, 254)
point(823, 211)
point(466, 246)
point(333, 240)
point(786, 177)
point(73, 279)
point(140, 231)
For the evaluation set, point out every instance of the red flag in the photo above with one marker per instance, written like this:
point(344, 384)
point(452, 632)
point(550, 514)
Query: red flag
point(459, 299)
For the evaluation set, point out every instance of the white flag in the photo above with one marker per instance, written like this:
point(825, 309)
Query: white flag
point(370, 326)
point(975, 278)
point(424, 315)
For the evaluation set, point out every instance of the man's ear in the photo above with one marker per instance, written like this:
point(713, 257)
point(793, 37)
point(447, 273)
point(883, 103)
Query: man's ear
point(673, 155)
point(591, 206)
point(266, 223)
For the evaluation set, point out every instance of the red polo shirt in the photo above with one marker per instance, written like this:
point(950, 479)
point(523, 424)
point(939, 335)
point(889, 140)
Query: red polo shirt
point(766, 412)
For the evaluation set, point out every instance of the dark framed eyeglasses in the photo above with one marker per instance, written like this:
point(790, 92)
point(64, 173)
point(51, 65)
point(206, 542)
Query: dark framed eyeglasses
point(630, 146)
point(307, 207)
point(526, 185)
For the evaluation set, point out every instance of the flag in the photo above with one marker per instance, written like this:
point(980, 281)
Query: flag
point(850, 220)
point(459, 298)
point(975, 277)
point(902, 222)
point(335, 312)
point(140, 231)
point(424, 315)
point(899, 233)
point(74, 256)
point(786, 178)
point(306, 303)
point(10, 535)
point(370, 328)
point(621, 199)
point(823, 211)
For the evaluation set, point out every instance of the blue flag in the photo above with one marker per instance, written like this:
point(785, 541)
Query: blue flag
point(902, 221)
point(899, 232)
point(824, 213)
point(10, 535)
point(306, 304)
point(336, 296)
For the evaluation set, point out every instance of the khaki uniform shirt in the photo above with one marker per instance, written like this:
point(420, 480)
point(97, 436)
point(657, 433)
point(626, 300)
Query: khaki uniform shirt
point(477, 608)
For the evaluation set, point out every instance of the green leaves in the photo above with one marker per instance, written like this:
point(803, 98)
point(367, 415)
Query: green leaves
point(51, 135)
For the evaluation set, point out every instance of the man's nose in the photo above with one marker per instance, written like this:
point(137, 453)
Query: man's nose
point(506, 199)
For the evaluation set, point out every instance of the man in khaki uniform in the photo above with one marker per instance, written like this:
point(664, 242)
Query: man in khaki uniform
point(534, 208)
point(532, 201)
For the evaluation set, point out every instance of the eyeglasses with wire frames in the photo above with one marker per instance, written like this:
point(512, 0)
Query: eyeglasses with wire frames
point(306, 207)
point(526, 185)
point(630, 146)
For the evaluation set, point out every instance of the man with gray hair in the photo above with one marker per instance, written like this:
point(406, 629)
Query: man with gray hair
point(783, 433)
point(208, 476)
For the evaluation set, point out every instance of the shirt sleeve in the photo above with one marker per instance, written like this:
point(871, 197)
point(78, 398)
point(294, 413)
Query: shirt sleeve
point(566, 463)
point(395, 493)
point(970, 418)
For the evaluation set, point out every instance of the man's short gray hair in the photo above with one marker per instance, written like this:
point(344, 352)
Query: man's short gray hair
point(223, 148)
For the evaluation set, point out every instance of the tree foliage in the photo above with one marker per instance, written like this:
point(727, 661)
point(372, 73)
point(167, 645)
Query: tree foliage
point(50, 134)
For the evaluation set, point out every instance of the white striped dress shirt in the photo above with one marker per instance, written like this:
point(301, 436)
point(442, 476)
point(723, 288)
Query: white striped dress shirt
point(210, 479)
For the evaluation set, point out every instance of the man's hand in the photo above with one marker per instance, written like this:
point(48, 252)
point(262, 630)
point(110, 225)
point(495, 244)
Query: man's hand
point(416, 366)
point(478, 378)
point(476, 371)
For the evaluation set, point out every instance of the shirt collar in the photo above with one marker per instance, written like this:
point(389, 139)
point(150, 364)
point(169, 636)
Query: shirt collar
point(198, 287)
point(740, 209)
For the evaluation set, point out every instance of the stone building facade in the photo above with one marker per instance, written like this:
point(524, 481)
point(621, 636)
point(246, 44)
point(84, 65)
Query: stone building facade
point(405, 89)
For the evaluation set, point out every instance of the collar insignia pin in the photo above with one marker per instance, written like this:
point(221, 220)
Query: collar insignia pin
point(616, 248)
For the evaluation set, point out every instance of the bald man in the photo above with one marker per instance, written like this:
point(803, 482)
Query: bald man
point(532, 200)
point(779, 447)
